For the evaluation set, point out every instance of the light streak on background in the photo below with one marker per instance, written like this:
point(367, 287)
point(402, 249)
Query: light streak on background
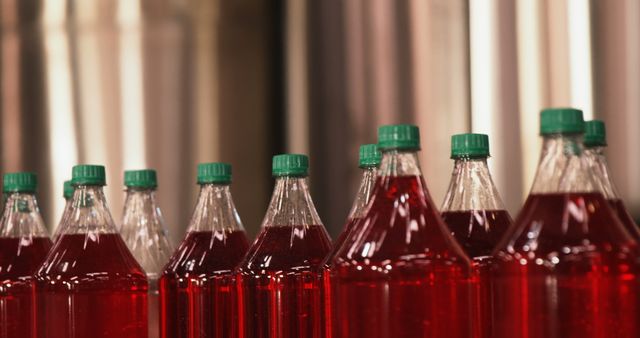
point(62, 126)
point(578, 20)
point(131, 86)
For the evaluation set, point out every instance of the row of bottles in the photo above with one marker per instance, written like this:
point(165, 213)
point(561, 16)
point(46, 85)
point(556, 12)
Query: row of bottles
point(566, 267)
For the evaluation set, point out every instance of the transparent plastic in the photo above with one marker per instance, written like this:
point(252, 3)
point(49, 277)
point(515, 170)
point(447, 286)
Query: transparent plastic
point(280, 277)
point(358, 210)
point(63, 221)
point(24, 243)
point(198, 297)
point(401, 273)
point(144, 232)
point(602, 177)
point(477, 218)
point(90, 285)
point(567, 267)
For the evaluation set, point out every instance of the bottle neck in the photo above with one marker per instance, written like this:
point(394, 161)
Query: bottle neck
point(141, 210)
point(399, 163)
point(562, 167)
point(471, 187)
point(359, 208)
point(89, 212)
point(601, 172)
point(215, 210)
point(291, 204)
point(21, 217)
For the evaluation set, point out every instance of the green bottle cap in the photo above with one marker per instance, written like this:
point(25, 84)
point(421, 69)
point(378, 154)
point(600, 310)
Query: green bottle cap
point(399, 136)
point(561, 121)
point(19, 182)
point(296, 165)
point(145, 179)
point(595, 134)
point(370, 156)
point(87, 174)
point(469, 146)
point(67, 190)
point(214, 172)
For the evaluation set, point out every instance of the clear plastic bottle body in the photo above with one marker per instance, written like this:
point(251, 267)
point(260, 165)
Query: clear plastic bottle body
point(24, 243)
point(90, 285)
point(144, 232)
point(567, 267)
point(63, 222)
point(280, 279)
point(401, 274)
point(604, 183)
point(198, 297)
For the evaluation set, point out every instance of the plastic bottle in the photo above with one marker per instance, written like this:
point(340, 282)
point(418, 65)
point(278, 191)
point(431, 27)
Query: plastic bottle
point(67, 193)
point(24, 243)
point(369, 162)
point(475, 214)
point(280, 278)
point(198, 297)
point(401, 274)
point(90, 285)
point(144, 232)
point(595, 141)
point(566, 267)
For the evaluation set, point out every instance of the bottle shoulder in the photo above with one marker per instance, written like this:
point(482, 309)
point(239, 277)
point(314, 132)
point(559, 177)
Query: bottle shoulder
point(402, 223)
point(571, 226)
point(207, 253)
point(83, 260)
point(287, 248)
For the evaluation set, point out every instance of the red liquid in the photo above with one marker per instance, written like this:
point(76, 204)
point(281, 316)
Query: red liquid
point(197, 289)
point(326, 275)
point(566, 269)
point(478, 232)
point(627, 220)
point(402, 274)
point(19, 261)
point(281, 284)
point(91, 286)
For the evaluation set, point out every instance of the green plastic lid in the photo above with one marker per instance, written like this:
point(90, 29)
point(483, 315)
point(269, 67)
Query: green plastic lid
point(19, 182)
point(469, 146)
point(370, 156)
point(87, 174)
point(399, 136)
point(145, 178)
point(561, 121)
point(290, 165)
point(595, 134)
point(214, 172)
point(67, 190)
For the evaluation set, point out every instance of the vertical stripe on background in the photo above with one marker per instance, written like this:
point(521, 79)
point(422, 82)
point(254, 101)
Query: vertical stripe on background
point(131, 86)
point(297, 78)
point(63, 133)
point(532, 83)
point(579, 22)
point(494, 92)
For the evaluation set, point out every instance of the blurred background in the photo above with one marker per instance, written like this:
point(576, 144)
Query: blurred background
point(166, 84)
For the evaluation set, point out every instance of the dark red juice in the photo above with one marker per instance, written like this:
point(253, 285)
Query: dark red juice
point(91, 286)
point(281, 284)
point(402, 274)
point(625, 218)
point(20, 258)
point(565, 270)
point(197, 290)
point(326, 275)
point(478, 232)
